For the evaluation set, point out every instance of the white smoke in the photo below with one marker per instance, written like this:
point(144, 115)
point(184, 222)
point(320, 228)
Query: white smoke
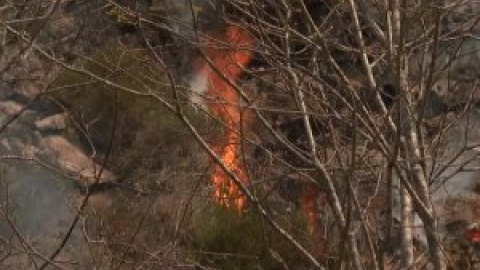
point(455, 176)
point(185, 18)
point(42, 206)
point(198, 86)
point(185, 15)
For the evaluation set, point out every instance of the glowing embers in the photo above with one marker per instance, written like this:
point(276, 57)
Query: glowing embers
point(308, 205)
point(226, 192)
point(225, 57)
point(473, 234)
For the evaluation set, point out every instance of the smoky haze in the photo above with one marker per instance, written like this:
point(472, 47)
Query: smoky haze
point(41, 206)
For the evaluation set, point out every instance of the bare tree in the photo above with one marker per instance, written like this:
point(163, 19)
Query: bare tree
point(344, 130)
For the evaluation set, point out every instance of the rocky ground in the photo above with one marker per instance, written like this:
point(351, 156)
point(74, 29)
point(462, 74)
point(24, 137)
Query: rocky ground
point(48, 162)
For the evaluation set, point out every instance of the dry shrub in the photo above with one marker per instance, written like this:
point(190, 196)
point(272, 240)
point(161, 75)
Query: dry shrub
point(221, 238)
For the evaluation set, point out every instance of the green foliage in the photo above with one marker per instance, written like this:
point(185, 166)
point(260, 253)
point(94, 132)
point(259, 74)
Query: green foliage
point(139, 119)
point(224, 239)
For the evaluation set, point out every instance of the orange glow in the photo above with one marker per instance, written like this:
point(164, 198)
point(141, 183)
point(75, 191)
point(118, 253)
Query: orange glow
point(308, 204)
point(473, 235)
point(227, 59)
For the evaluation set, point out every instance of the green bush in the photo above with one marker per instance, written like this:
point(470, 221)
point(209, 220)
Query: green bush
point(224, 239)
point(143, 125)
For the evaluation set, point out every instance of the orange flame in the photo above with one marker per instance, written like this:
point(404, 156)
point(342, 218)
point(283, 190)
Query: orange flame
point(226, 64)
point(228, 58)
point(308, 204)
point(473, 235)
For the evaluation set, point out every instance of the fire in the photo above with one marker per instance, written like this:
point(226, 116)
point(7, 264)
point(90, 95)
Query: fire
point(227, 58)
point(473, 234)
point(308, 204)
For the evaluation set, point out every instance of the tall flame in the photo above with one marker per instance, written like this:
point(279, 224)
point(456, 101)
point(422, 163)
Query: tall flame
point(226, 61)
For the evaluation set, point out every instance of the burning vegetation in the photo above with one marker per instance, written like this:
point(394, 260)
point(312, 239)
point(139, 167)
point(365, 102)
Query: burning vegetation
point(224, 59)
point(338, 126)
point(225, 56)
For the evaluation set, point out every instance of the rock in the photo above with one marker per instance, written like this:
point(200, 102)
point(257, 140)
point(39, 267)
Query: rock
point(10, 108)
point(54, 122)
point(75, 162)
